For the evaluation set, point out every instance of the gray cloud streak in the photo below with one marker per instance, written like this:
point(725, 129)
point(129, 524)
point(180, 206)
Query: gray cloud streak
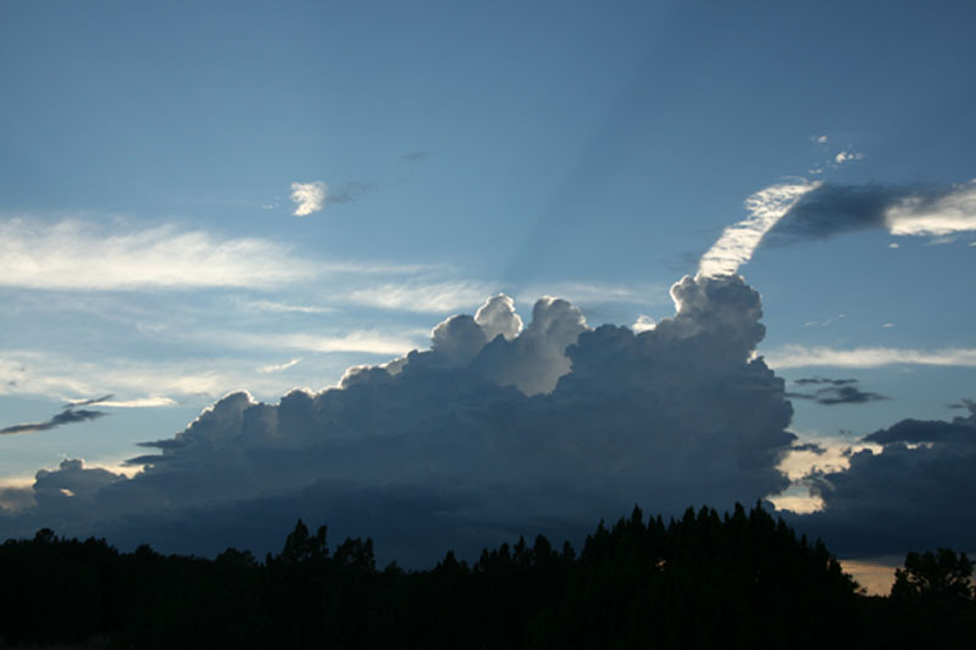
point(68, 416)
point(836, 391)
point(89, 402)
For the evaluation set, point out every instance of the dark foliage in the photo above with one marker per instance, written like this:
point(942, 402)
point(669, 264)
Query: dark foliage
point(704, 581)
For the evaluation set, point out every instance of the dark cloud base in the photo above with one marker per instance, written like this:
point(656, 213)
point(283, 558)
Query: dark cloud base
point(918, 492)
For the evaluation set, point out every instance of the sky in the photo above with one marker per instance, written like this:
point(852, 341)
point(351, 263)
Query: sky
point(267, 260)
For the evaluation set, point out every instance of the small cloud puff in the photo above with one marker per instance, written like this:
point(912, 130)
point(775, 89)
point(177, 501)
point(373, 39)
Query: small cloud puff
point(309, 197)
point(848, 155)
point(643, 324)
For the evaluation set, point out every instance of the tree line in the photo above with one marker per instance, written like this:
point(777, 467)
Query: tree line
point(705, 580)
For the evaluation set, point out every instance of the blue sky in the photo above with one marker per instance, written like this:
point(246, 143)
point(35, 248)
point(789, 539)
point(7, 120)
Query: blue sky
point(583, 150)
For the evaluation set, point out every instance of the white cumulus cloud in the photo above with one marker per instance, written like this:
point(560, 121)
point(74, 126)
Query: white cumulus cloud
point(308, 197)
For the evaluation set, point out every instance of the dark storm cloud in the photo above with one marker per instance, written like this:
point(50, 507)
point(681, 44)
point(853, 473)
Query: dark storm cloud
point(916, 493)
point(69, 416)
point(16, 498)
point(547, 427)
point(961, 430)
point(837, 391)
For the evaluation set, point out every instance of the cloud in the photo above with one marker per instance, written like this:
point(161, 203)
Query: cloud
point(836, 391)
point(83, 256)
point(368, 341)
point(800, 356)
point(280, 307)
point(739, 241)
point(847, 155)
point(901, 210)
point(811, 447)
point(834, 395)
point(414, 156)
point(643, 324)
point(69, 415)
point(140, 403)
point(595, 294)
point(420, 296)
point(961, 430)
point(805, 381)
point(935, 214)
point(279, 367)
point(916, 491)
point(16, 494)
point(497, 317)
point(496, 427)
point(309, 197)
point(346, 192)
point(151, 382)
point(89, 402)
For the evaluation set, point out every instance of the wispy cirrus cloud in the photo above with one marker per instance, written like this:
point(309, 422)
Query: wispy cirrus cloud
point(108, 401)
point(592, 293)
point(27, 372)
point(73, 254)
point(364, 341)
point(422, 297)
point(279, 367)
point(285, 308)
point(140, 403)
point(800, 356)
point(76, 254)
